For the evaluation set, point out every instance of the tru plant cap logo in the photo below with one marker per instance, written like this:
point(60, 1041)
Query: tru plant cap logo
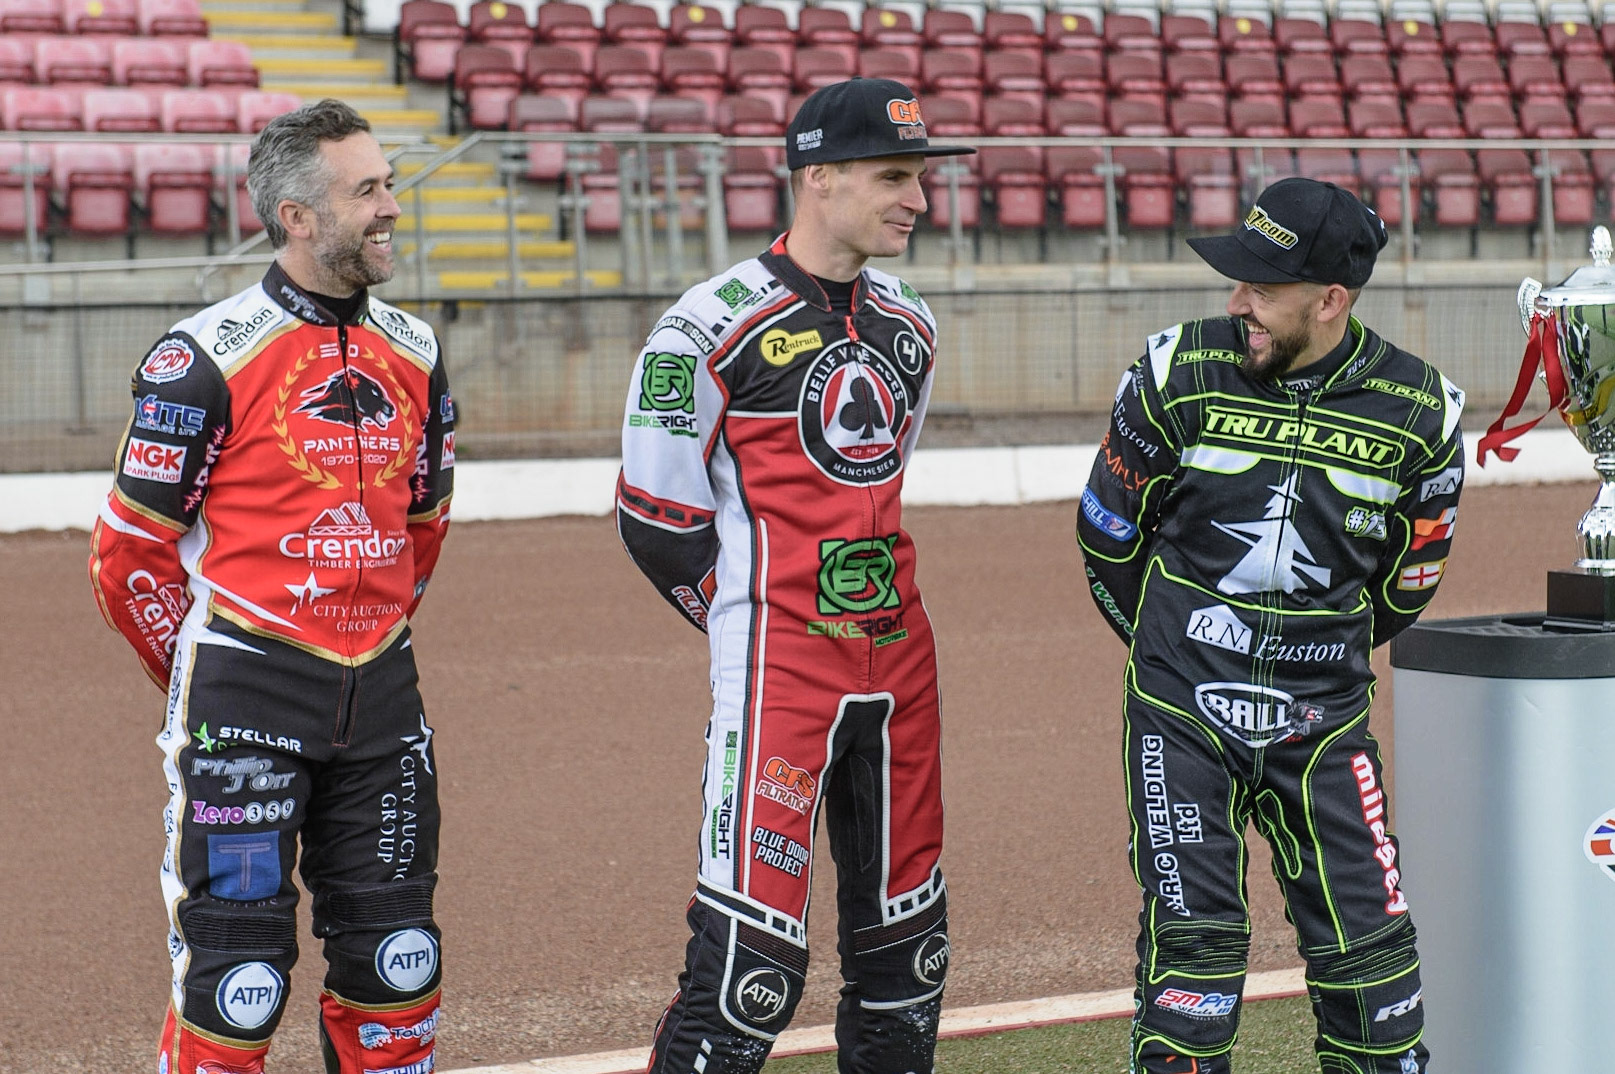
point(1259, 222)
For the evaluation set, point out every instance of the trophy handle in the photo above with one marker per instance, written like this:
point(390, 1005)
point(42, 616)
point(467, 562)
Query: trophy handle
point(1526, 297)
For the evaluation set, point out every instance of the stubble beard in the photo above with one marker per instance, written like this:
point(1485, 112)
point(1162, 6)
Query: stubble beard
point(1282, 352)
point(343, 259)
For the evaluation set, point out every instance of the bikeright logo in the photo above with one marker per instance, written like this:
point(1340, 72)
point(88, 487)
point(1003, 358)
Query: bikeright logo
point(858, 576)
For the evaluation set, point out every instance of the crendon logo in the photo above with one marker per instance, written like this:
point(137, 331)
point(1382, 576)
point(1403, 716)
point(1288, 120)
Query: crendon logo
point(1256, 715)
point(170, 360)
point(407, 959)
point(668, 383)
point(931, 960)
point(853, 411)
point(858, 576)
point(148, 461)
point(248, 995)
point(760, 995)
point(349, 397)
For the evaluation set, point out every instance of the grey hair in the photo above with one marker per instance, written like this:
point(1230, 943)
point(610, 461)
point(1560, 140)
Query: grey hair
point(285, 162)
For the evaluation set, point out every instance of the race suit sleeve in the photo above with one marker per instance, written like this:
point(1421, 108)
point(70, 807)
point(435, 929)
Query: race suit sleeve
point(1420, 529)
point(433, 483)
point(665, 501)
point(180, 422)
point(1121, 505)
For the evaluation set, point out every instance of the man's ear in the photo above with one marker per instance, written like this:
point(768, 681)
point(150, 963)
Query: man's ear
point(1335, 302)
point(296, 218)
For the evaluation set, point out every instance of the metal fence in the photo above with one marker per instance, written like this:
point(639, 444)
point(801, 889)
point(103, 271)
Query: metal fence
point(548, 378)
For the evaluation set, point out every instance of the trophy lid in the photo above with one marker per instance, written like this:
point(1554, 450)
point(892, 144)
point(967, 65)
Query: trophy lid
point(1590, 285)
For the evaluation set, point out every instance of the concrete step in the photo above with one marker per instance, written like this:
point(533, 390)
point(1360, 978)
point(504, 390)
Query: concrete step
point(360, 73)
point(357, 94)
point(539, 280)
point(472, 223)
point(295, 46)
point(405, 120)
point(492, 250)
point(272, 22)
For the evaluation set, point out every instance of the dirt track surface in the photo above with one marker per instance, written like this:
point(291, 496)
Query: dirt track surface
point(569, 703)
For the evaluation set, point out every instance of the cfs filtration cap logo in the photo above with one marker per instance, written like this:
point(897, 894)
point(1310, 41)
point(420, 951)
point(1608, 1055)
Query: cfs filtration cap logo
point(1256, 715)
point(407, 959)
point(249, 994)
point(760, 995)
point(906, 116)
point(854, 408)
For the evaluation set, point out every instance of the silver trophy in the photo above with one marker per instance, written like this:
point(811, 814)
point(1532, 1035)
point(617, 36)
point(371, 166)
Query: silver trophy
point(1580, 316)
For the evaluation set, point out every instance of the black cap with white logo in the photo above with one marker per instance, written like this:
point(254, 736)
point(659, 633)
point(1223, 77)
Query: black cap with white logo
point(857, 119)
point(1300, 230)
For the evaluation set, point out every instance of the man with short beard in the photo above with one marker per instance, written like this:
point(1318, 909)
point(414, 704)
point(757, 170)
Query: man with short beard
point(1275, 496)
point(281, 495)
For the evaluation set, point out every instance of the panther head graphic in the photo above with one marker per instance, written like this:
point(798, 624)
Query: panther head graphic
point(349, 397)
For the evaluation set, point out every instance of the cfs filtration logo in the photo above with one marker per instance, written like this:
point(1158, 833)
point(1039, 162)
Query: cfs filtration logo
point(905, 115)
point(1256, 715)
point(1599, 843)
point(859, 576)
point(789, 786)
point(667, 394)
point(853, 411)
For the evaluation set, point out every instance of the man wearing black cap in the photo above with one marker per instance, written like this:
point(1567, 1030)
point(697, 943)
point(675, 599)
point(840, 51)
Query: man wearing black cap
point(770, 418)
point(1276, 495)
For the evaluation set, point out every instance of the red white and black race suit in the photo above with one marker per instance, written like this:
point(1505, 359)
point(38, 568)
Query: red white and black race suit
point(280, 499)
point(763, 458)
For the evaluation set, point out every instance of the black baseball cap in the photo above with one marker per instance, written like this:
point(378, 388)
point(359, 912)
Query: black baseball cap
point(857, 119)
point(1300, 230)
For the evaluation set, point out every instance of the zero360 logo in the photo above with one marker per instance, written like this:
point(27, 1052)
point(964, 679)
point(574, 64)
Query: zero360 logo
point(853, 412)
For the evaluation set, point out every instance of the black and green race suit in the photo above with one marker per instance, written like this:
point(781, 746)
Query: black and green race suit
point(1252, 541)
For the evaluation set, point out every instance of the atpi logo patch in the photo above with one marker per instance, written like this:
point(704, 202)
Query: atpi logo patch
point(853, 411)
point(1599, 843)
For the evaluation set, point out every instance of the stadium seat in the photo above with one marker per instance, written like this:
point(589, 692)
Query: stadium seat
point(1307, 37)
point(750, 190)
point(1413, 37)
point(484, 82)
point(1015, 75)
point(1465, 37)
point(1519, 37)
point(952, 31)
point(502, 25)
point(255, 108)
point(16, 61)
point(609, 115)
point(1014, 174)
point(1146, 169)
point(174, 184)
point(940, 213)
point(948, 69)
point(635, 26)
point(1513, 189)
point(680, 115)
point(625, 71)
point(567, 25)
point(1369, 77)
point(171, 18)
point(31, 17)
point(13, 199)
point(1353, 38)
point(120, 110)
point(1074, 172)
point(893, 29)
point(546, 161)
point(1065, 31)
point(231, 169)
point(1012, 31)
point(1188, 33)
point(1595, 118)
point(1261, 117)
point(816, 67)
point(198, 112)
point(1376, 118)
point(1191, 117)
point(1076, 75)
point(1531, 77)
point(1130, 33)
point(221, 63)
point(1209, 176)
point(1136, 74)
point(1490, 119)
point(1254, 75)
point(557, 71)
point(1574, 195)
point(28, 108)
point(693, 73)
point(75, 61)
point(899, 65)
point(100, 17)
point(1479, 76)
point(94, 181)
point(757, 72)
point(1314, 75)
point(1422, 75)
point(1196, 75)
point(426, 38)
point(1574, 38)
point(1318, 117)
point(828, 28)
point(700, 27)
point(1588, 78)
point(150, 61)
point(1242, 34)
point(760, 27)
point(747, 117)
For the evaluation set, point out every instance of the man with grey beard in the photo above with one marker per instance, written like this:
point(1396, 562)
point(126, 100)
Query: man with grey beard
point(1276, 495)
point(281, 496)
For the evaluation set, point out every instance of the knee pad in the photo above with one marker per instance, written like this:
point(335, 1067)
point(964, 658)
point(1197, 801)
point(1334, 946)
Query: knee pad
point(1368, 998)
point(758, 976)
point(904, 963)
point(380, 941)
point(1191, 975)
point(239, 960)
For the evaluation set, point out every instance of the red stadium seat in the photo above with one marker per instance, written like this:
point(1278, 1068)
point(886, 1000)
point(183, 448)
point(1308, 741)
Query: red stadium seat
point(680, 115)
point(150, 61)
point(746, 116)
point(950, 70)
point(1535, 77)
point(1074, 118)
point(16, 61)
point(100, 17)
point(171, 18)
point(1074, 171)
point(1198, 118)
point(1065, 31)
point(1381, 173)
point(254, 109)
point(501, 25)
point(1490, 119)
point(881, 28)
point(221, 63)
point(757, 72)
point(33, 109)
point(899, 65)
point(817, 67)
point(761, 27)
point(1012, 31)
point(175, 187)
point(1318, 117)
point(1015, 75)
point(632, 25)
point(1076, 75)
point(1432, 118)
point(750, 190)
point(1146, 180)
point(1257, 117)
point(609, 115)
point(1130, 33)
point(968, 182)
point(1188, 33)
point(198, 112)
point(1479, 76)
point(1574, 39)
point(693, 73)
point(1254, 74)
point(1595, 118)
point(1301, 35)
point(1424, 76)
point(1239, 34)
point(427, 37)
point(1136, 74)
point(1210, 176)
point(119, 110)
point(953, 31)
point(1520, 38)
point(1369, 77)
point(1196, 75)
point(701, 27)
point(231, 169)
point(1451, 172)
point(1376, 119)
point(1413, 37)
point(1014, 174)
point(79, 61)
point(546, 161)
point(828, 28)
point(1573, 191)
point(1011, 117)
point(1506, 175)
point(484, 82)
point(1588, 78)
point(94, 181)
point(1463, 38)
point(1546, 119)
point(1314, 75)
point(626, 72)
point(13, 193)
point(567, 25)
point(31, 17)
point(1358, 37)
point(557, 71)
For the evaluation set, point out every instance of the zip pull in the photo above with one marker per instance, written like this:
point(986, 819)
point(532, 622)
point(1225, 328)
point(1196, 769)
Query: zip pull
point(852, 330)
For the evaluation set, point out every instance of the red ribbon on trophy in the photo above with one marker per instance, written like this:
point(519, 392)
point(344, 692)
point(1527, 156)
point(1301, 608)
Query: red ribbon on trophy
point(1541, 352)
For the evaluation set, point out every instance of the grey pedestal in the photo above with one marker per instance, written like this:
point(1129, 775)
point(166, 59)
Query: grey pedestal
point(1505, 757)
